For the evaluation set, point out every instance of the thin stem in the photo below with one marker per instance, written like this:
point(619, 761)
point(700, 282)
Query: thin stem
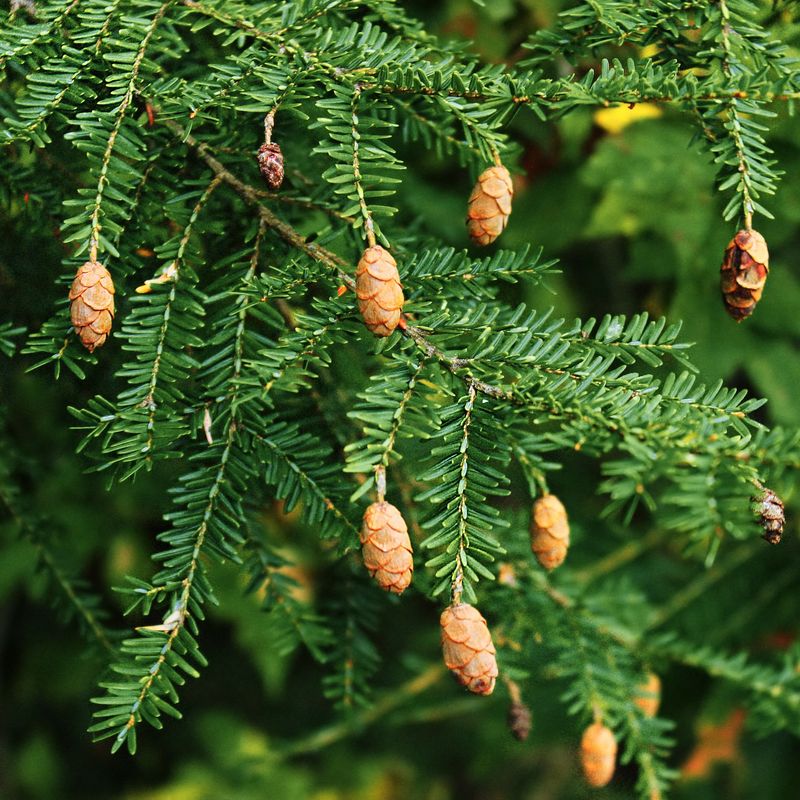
point(380, 482)
point(181, 609)
point(369, 227)
point(399, 414)
point(744, 167)
point(366, 716)
point(180, 613)
point(514, 693)
point(122, 109)
point(619, 557)
point(46, 34)
point(537, 480)
point(457, 585)
point(93, 624)
point(691, 591)
point(269, 124)
point(333, 262)
point(171, 273)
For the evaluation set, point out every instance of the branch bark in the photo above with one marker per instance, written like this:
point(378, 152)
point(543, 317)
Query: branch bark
point(334, 262)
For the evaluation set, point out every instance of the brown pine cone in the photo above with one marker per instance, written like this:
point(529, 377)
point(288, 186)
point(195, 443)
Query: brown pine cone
point(598, 755)
point(519, 721)
point(549, 531)
point(92, 304)
point(648, 695)
point(771, 515)
point(489, 205)
point(386, 547)
point(468, 649)
point(743, 273)
point(270, 162)
point(379, 292)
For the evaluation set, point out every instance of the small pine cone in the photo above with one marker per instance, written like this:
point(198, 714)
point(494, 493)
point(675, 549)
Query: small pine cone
point(519, 721)
point(648, 695)
point(379, 292)
point(549, 531)
point(92, 304)
point(598, 755)
point(468, 649)
point(489, 205)
point(386, 548)
point(743, 273)
point(270, 162)
point(769, 508)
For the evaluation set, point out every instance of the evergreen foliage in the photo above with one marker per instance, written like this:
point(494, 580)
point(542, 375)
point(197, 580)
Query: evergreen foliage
point(240, 370)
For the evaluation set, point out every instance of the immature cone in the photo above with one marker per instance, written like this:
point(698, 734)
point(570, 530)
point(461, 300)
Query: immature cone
point(386, 548)
point(489, 205)
point(468, 649)
point(380, 295)
point(549, 531)
point(598, 755)
point(270, 162)
point(648, 695)
point(769, 508)
point(743, 273)
point(92, 304)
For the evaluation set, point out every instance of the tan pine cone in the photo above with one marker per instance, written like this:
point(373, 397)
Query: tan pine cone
point(386, 547)
point(598, 755)
point(92, 304)
point(468, 649)
point(743, 273)
point(489, 205)
point(379, 292)
point(549, 531)
point(270, 163)
point(648, 695)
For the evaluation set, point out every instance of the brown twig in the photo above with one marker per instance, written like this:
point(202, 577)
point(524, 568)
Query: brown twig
point(336, 263)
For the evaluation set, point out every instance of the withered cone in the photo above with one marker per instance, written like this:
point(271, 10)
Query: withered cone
point(270, 163)
point(771, 515)
point(519, 720)
point(743, 273)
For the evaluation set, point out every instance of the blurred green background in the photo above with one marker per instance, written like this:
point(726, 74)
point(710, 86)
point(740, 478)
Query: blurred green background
point(626, 201)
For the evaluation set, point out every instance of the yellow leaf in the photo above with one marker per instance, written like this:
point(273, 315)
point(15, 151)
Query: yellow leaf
point(617, 118)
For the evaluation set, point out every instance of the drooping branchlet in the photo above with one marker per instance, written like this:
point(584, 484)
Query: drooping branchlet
point(379, 292)
point(489, 205)
point(92, 304)
point(743, 273)
point(468, 649)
